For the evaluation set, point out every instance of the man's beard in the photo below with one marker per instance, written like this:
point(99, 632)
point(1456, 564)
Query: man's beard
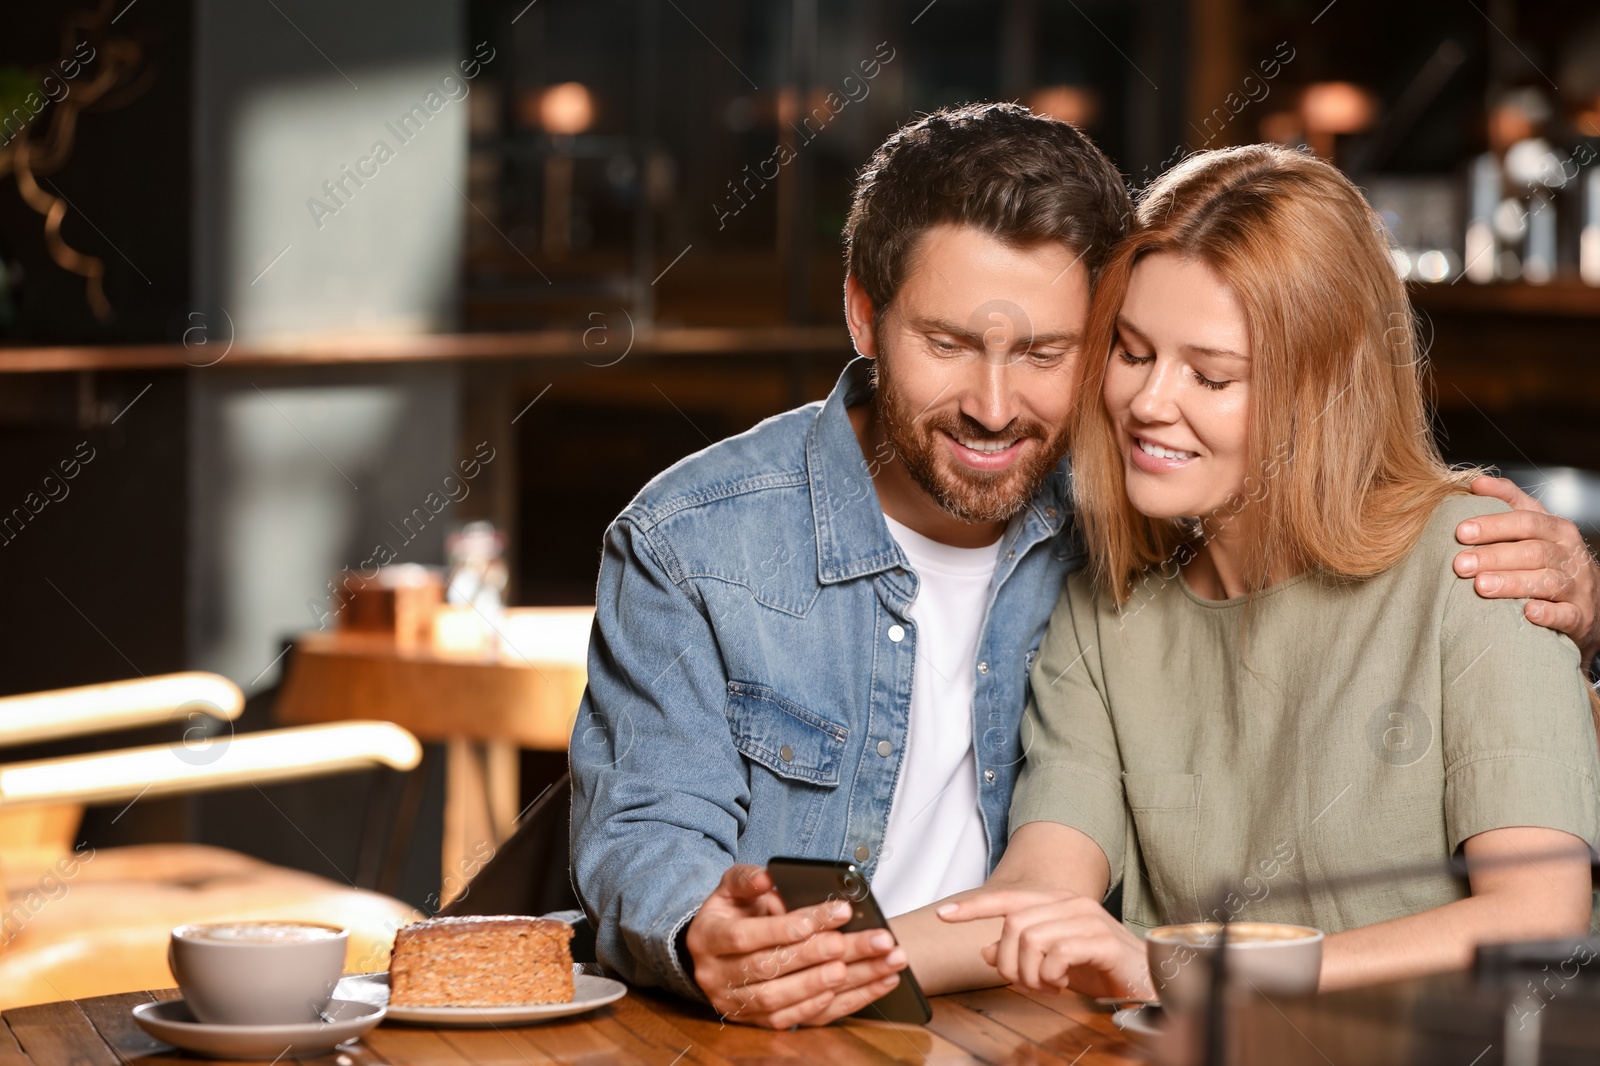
point(968, 494)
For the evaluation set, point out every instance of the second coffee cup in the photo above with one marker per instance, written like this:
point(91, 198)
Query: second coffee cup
point(1274, 958)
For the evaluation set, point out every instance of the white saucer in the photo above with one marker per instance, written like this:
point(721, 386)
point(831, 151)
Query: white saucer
point(1145, 1021)
point(588, 993)
point(175, 1023)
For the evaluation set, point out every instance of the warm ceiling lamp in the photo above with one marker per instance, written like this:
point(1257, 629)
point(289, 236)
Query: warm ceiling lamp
point(566, 109)
point(1338, 107)
point(1069, 103)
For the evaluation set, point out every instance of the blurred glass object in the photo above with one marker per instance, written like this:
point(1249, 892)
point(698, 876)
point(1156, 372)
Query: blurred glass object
point(1435, 265)
point(1420, 214)
point(1539, 258)
point(1510, 220)
point(473, 621)
point(478, 572)
point(1532, 164)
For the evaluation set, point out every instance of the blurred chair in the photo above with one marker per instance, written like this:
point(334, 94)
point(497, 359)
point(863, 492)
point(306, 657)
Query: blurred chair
point(85, 922)
point(531, 872)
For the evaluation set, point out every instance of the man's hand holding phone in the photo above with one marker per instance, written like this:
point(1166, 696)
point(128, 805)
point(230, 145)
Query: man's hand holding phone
point(761, 965)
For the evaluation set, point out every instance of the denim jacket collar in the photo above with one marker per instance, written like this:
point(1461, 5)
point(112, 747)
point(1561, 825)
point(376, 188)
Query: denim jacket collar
point(852, 538)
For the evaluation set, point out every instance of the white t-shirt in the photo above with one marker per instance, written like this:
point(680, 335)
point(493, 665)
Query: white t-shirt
point(935, 843)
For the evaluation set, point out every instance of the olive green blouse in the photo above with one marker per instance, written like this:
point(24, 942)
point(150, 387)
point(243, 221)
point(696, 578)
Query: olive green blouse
point(1230, 757)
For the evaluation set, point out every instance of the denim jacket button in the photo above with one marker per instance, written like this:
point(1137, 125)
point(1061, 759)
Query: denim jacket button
point(988, 776)
point(885, 748)
point(786, 753)
point(897, 633)
point(863, 853)
point(983, 668)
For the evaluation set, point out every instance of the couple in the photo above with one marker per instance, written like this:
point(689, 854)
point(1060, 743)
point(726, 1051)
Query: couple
point(827, 636)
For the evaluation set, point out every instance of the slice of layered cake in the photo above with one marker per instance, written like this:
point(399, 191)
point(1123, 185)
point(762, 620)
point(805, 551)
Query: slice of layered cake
point(481, 961)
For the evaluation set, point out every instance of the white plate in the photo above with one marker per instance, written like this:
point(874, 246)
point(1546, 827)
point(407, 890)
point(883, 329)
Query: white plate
point(175, 1023)
point(1146, 1021)
point(588, 993)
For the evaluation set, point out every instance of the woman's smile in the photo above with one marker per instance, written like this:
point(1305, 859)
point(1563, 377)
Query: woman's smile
point(1155, 458)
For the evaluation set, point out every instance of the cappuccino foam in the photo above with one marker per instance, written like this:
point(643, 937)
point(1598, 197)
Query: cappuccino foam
point(262, 932)
point(1204, 934)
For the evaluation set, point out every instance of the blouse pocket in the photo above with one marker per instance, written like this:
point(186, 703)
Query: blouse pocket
point(1166, 824)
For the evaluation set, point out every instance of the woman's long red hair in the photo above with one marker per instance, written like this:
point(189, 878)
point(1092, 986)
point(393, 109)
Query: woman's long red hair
point(1346, 472)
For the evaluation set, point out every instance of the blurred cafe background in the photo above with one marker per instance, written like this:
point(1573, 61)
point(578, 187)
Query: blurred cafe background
point(332, 335)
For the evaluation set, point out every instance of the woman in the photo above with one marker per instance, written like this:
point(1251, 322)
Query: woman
point(1270, 678)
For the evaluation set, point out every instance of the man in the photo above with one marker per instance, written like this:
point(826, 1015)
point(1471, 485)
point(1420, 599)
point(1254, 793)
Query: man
point(813, 638)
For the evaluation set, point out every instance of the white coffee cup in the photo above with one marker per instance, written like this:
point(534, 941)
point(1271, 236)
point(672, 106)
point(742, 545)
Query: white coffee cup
point(257, 972)
point(1270, 957)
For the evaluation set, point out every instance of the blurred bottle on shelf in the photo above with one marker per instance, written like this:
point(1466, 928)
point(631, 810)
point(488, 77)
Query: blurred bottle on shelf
point(1539, 254)
point(1534, 175)
point(1589, 240)
point(1519, 192)
point(1481, 254)
point(1421, 213)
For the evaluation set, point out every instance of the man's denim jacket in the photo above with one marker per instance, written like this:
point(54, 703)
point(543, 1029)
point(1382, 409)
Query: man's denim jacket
point(750, 675)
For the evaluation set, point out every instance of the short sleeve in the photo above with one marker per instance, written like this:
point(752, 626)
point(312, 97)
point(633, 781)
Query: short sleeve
point(1518, 735)
point(1072, 772)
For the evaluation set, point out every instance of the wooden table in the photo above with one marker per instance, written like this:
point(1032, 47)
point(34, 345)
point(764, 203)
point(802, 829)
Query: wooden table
point(1447, 1020)
point(993, 1026)
point(482, 706)
point(526, 696)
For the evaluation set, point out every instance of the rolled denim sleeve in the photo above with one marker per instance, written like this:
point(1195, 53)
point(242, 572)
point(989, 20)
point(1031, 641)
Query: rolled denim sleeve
point(659, 793)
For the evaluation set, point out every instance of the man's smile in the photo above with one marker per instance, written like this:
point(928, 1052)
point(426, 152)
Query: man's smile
point(986, 455)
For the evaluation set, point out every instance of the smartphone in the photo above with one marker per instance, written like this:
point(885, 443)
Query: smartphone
point(803, 883)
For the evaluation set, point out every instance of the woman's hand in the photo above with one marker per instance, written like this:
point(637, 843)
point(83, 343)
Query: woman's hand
point(1058, 940)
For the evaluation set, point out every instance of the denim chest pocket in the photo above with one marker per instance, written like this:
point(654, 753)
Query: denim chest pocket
point(1166, 819)
point(783, 736)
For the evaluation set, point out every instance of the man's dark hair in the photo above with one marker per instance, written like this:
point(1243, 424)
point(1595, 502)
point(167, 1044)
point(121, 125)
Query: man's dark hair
point(1021, 177)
